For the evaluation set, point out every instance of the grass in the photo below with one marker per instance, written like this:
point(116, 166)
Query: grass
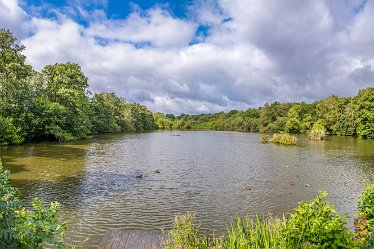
point(283, 138)
point(243, 233)
point(264, 138)
point(317, 134)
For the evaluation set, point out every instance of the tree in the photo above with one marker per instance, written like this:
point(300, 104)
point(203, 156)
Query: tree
point(67, 86)
point(9, 134)
point(15, 94)
point(139, 117)
point(108, 113)
point(293, 123)
point(365, 113)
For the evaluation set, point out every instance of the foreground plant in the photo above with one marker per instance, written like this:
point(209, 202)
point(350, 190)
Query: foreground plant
point(364, 223)
point(23, 228)
point(314, 224)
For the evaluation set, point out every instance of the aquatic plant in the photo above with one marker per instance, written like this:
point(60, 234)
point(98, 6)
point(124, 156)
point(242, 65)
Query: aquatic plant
point(283, 138)
point(318, 132)
point(264, 138)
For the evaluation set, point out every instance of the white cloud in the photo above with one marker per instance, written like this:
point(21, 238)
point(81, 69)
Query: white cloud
point(255, 51)
point(12, 17)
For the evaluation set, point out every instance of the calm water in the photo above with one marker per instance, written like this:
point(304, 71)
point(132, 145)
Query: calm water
point(201, 171)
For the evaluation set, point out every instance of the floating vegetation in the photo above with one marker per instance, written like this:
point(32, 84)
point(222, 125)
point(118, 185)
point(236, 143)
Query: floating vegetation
point(264, 138)
point(318, 132)
point(283, 138)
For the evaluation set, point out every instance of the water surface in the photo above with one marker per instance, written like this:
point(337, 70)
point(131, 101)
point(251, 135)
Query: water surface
point(98, 182)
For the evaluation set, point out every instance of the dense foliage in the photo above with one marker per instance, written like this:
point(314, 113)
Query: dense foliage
point(314, 224)
point(334, 115)
point(56, 103)
point(23, 228)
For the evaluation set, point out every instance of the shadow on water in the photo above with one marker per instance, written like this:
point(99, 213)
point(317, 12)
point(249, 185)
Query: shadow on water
point(78, 191)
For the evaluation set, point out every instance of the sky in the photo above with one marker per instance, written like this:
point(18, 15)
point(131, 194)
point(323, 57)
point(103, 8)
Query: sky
point(203, 56)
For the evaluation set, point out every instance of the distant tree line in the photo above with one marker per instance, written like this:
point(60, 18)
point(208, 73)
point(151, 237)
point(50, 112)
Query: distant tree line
point(338, 116)
point(56, 103)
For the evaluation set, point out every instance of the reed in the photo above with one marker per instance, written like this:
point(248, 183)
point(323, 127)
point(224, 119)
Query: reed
point(317, 133)
point(283, 138)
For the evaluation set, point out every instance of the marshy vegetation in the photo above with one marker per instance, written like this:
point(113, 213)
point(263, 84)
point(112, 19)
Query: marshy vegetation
point(314, 224)
point(318, 132)
point(283, 138)
point(264, 138)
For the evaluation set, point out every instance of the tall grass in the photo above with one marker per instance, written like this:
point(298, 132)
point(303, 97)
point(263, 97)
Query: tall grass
point(256, 234)
point(283, 138)
point(244, 233)
point(264, 138)
point(318, 132)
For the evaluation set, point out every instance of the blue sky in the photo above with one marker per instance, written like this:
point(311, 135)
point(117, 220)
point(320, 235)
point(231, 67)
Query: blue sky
point(198, 56)
point(118, 9)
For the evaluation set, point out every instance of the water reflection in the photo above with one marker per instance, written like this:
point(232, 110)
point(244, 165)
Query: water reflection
point(99, 185)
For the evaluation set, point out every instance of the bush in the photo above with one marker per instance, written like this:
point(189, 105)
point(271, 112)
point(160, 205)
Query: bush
point(185, 235)
point(23, 228)
point(364, 223)
point(316, 224)
point(283, 138)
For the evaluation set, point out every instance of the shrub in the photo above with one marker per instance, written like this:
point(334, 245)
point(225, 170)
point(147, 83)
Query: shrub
point(364, 223)
point(283, 138)
point(23, 228)
point(318, 132)
point(185, 235)
point(316, 224)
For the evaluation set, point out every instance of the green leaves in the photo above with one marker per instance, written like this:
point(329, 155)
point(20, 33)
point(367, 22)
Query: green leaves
point(316, 223)
point(9, 134)
point(23, 228)
point(365, 113)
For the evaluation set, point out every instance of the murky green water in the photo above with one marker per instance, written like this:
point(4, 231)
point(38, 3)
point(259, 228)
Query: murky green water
point(201, 171)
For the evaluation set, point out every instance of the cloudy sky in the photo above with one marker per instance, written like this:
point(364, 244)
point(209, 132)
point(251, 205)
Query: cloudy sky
point(193, 56)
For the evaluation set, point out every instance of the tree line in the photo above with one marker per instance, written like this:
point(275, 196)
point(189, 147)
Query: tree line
point(351, 116)
point(56, 103)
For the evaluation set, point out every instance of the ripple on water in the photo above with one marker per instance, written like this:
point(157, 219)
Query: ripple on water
point(200, 171)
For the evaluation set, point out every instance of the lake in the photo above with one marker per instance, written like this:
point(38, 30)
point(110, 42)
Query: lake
point(109, 181)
